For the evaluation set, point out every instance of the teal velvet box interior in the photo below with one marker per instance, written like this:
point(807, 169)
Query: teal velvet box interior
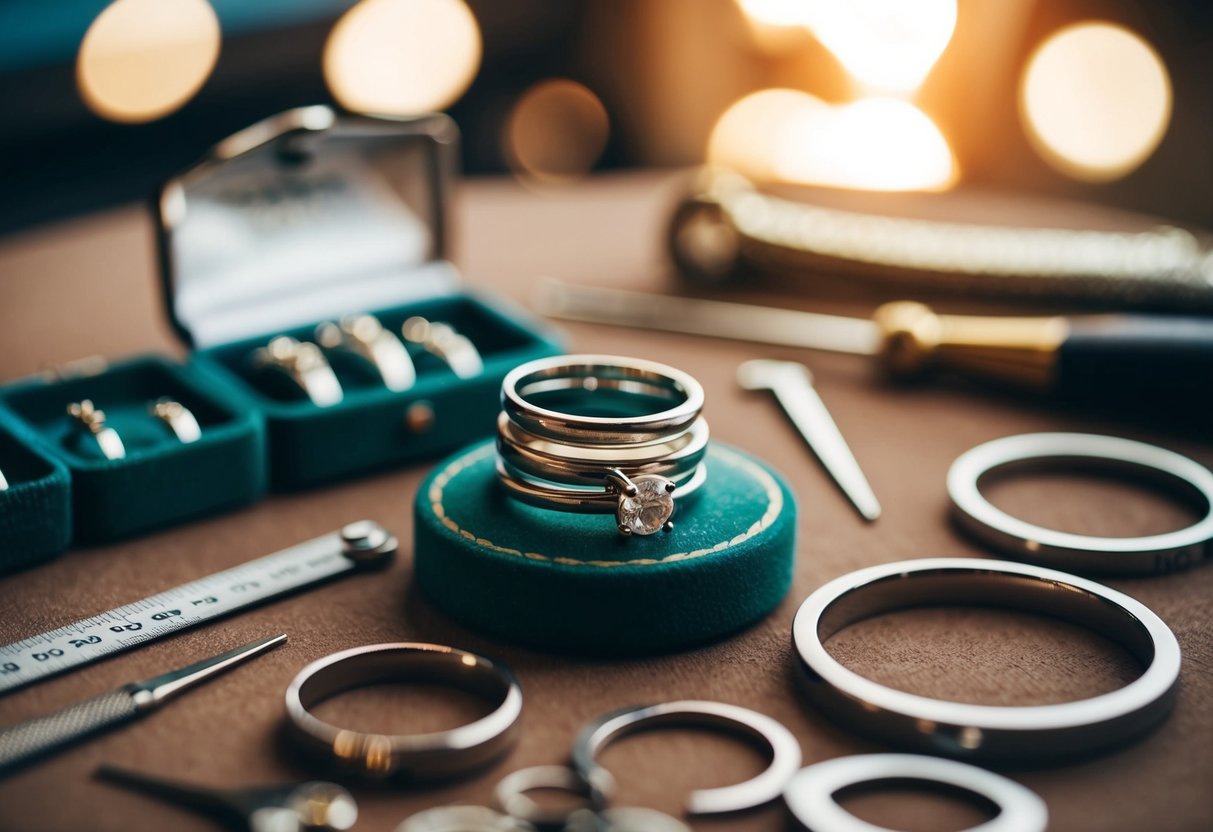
point(569, 582)
point(160, 480)
point(36, 508)
point(372, 427)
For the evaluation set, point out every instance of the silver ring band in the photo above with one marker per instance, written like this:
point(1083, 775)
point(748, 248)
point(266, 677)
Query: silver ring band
point(601, 372)
point(809, 795)
point(445, 343)
point(986, 732)
point(365, 337)
point(1081, 553)
point(534, 456)
point(92, 420)
point(304, 363)
point(512, 798)
point(178, 418)
point(771, 735)
point(584, 500)
point(437, 755)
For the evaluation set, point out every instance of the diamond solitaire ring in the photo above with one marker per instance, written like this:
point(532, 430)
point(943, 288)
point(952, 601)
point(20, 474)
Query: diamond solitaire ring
point(602, 434)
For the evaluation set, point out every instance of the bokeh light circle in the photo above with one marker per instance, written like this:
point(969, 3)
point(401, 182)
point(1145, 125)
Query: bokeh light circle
point(556, 131)
point(143, 59)
point(402, 57)
point(1096, 101)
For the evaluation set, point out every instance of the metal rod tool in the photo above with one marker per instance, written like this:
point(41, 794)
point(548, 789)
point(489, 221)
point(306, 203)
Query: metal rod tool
point(357, 546)
point(1110, 358)
point(792, 385)
point(34, 738)
point(316, 806)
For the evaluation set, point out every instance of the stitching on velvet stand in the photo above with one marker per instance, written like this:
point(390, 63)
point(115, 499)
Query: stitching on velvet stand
point(774, 506)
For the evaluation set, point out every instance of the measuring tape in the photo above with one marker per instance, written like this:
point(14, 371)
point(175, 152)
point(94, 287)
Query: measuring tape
point(357, 546)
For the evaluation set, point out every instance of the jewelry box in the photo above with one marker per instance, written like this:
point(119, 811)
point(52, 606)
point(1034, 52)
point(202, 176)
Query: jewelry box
point(327, 236)
point(144, 443)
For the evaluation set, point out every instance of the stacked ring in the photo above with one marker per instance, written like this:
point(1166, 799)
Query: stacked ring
point(632, 466)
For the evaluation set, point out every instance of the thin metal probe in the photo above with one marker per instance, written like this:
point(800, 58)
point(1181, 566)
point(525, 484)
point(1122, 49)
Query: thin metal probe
point(792, 385)
point(315, 805)
point(26, 741)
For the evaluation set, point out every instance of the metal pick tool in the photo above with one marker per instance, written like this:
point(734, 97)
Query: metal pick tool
point(26, 741)
point(792, 385)
point(314, 806)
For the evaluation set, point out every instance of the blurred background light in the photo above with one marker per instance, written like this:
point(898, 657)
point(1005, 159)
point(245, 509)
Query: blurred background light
point(556, 131)
point(776, 12)
point(744, 138)
point(874, 144)
point(402, 57)
point(1096, 100)
point(143, 59)
point(887, 46)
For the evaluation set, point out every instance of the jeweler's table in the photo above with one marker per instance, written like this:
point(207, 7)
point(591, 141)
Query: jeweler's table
point(87, 287)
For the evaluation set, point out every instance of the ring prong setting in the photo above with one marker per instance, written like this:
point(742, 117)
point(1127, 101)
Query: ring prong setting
point(646, 505)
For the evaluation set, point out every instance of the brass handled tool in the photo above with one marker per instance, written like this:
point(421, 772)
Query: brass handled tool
point(1096, 356)
point(315, 806)
point(34, 738)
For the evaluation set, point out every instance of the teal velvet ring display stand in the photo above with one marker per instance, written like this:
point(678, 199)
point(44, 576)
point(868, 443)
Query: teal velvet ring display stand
point(569, 582)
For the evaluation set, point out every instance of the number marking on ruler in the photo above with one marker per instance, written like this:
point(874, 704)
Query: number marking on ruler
point(302, 565)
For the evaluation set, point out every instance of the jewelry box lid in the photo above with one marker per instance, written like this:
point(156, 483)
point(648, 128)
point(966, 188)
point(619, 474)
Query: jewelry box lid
point(306, 216)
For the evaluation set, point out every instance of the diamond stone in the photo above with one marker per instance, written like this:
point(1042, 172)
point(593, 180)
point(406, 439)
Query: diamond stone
point(647, 511)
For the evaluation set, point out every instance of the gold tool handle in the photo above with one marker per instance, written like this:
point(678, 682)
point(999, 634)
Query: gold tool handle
point(1022, 351)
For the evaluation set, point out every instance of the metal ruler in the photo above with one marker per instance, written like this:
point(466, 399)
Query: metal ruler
point(356, 546)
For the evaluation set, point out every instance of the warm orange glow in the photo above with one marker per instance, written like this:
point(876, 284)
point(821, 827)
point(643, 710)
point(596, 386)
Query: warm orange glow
point(402, 57)
point(776, 12)
point(744, 137)
point(1096, 100)
point(556, 131)
point(142, 59)
point(886, 45)
point(878, 144)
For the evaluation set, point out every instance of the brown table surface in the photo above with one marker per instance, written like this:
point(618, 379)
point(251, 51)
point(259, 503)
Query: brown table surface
point(87, 287)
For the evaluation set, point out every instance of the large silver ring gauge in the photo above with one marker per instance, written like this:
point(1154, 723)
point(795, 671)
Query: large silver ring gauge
point(1076, 552)
point(1020, 734)
point(809, 795)
point(770, 734)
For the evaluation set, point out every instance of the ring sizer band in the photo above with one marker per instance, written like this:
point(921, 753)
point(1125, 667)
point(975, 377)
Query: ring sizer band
point(774, 737)
point(810, 793)
point(436, 755)
point(1082, 553)
point(984, 732)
